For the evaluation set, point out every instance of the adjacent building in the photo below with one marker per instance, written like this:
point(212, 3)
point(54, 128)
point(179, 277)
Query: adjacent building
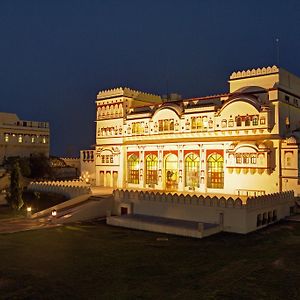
point(22, 138)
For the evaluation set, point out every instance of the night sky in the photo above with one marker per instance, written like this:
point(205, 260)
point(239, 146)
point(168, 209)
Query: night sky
point(55, 55)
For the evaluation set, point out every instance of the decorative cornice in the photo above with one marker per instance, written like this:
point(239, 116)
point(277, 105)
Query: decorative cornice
point(127, 92)
point(254, 72)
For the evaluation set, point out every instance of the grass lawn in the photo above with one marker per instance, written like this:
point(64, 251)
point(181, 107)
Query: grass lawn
point(95, 261)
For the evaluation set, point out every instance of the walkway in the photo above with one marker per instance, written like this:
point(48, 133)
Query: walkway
point(23, 224)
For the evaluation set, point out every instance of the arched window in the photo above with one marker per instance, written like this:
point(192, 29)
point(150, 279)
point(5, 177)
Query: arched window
point(133, 169)
point(151, 169)
point(238, 121)
point(215, 171)
point(255, 120)
point(191, 167)
point(171, 172)
point(247, 121)
point(224, 123)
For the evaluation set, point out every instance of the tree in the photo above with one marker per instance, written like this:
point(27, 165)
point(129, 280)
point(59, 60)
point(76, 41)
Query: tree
point(40, 166)
point(14, 197)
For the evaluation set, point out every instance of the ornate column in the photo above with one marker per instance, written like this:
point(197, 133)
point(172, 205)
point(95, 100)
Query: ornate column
point(160, 167)
point(180, 168)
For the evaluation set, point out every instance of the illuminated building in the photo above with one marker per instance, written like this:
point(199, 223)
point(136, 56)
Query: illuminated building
point(22, 138)
point(198, 166)
point(244, 142)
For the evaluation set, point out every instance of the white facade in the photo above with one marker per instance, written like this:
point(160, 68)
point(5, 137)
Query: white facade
point(244, 142)
point(22, 138)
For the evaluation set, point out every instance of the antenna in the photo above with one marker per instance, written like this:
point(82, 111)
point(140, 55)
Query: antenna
point(277, 51)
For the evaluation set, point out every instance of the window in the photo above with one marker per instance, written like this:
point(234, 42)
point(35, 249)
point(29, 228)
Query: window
point(230, 123)
point(6, 137)
point(238, 158)
point(20, 139)
point(238, 121)
point(295, 101)
point(246, 159)
point(171, 172)
point(197, 123)
point(287, 98)
point(247, 121)
point(133, 169)
point(166, 125)
point(32, 139)
point(255, 120)
point(215, 171)
point(253, 159)
point(210, 123)
point(138, 128)
point(44, 140)
point(224, 123)
point(103, 159)
point(151, 169)
point(191, 168)
point(111, 159)
point(262, 121)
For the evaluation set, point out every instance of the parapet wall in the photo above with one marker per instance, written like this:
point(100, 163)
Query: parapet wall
point(210, 201)
point(234, 214)
point(69, 188)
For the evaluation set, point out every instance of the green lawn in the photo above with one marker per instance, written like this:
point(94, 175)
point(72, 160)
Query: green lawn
point(94, 261)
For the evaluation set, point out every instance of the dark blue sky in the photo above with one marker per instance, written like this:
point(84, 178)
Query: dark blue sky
point(55, 55)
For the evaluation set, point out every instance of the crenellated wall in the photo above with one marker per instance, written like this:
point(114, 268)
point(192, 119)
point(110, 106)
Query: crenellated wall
point(239, 214)
point(70, 189)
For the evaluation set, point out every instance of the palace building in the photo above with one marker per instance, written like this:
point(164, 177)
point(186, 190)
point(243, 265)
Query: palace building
point(198, 166)
point(22, 138)
point(244, 142)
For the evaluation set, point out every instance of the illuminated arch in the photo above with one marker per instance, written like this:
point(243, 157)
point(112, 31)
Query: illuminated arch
point(215, 171)
point(151, 169)
point(191, 169)
point(171, 172)
point(133, 167)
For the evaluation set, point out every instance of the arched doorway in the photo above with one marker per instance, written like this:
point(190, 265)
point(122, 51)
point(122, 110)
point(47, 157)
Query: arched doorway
point(171, 172)
point(108, 179)
point(215, 171)
point(191, 169)
point(151, 169)
point(101, 178)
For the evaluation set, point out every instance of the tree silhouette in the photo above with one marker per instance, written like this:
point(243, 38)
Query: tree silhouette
point(15, 190)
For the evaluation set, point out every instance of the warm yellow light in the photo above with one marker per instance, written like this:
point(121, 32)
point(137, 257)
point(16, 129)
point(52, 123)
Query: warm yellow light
point(28, 209)
point(54, 213)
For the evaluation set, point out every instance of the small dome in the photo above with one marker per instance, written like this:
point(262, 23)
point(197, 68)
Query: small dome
point(232, 146)
point(291, 140)
point(262, 146)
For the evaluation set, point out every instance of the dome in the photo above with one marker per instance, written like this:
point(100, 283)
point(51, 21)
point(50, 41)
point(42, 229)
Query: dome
point(291, 140)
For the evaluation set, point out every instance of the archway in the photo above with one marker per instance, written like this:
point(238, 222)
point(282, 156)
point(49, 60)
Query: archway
point(191, 168)
point(171, 172)
point(133, 169)
point(215, 171)
point(151, 169)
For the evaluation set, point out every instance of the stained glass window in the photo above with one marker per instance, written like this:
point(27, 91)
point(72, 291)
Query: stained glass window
point(215, 171)
point(133, 169)
point(192, 165)
point(151, 169)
